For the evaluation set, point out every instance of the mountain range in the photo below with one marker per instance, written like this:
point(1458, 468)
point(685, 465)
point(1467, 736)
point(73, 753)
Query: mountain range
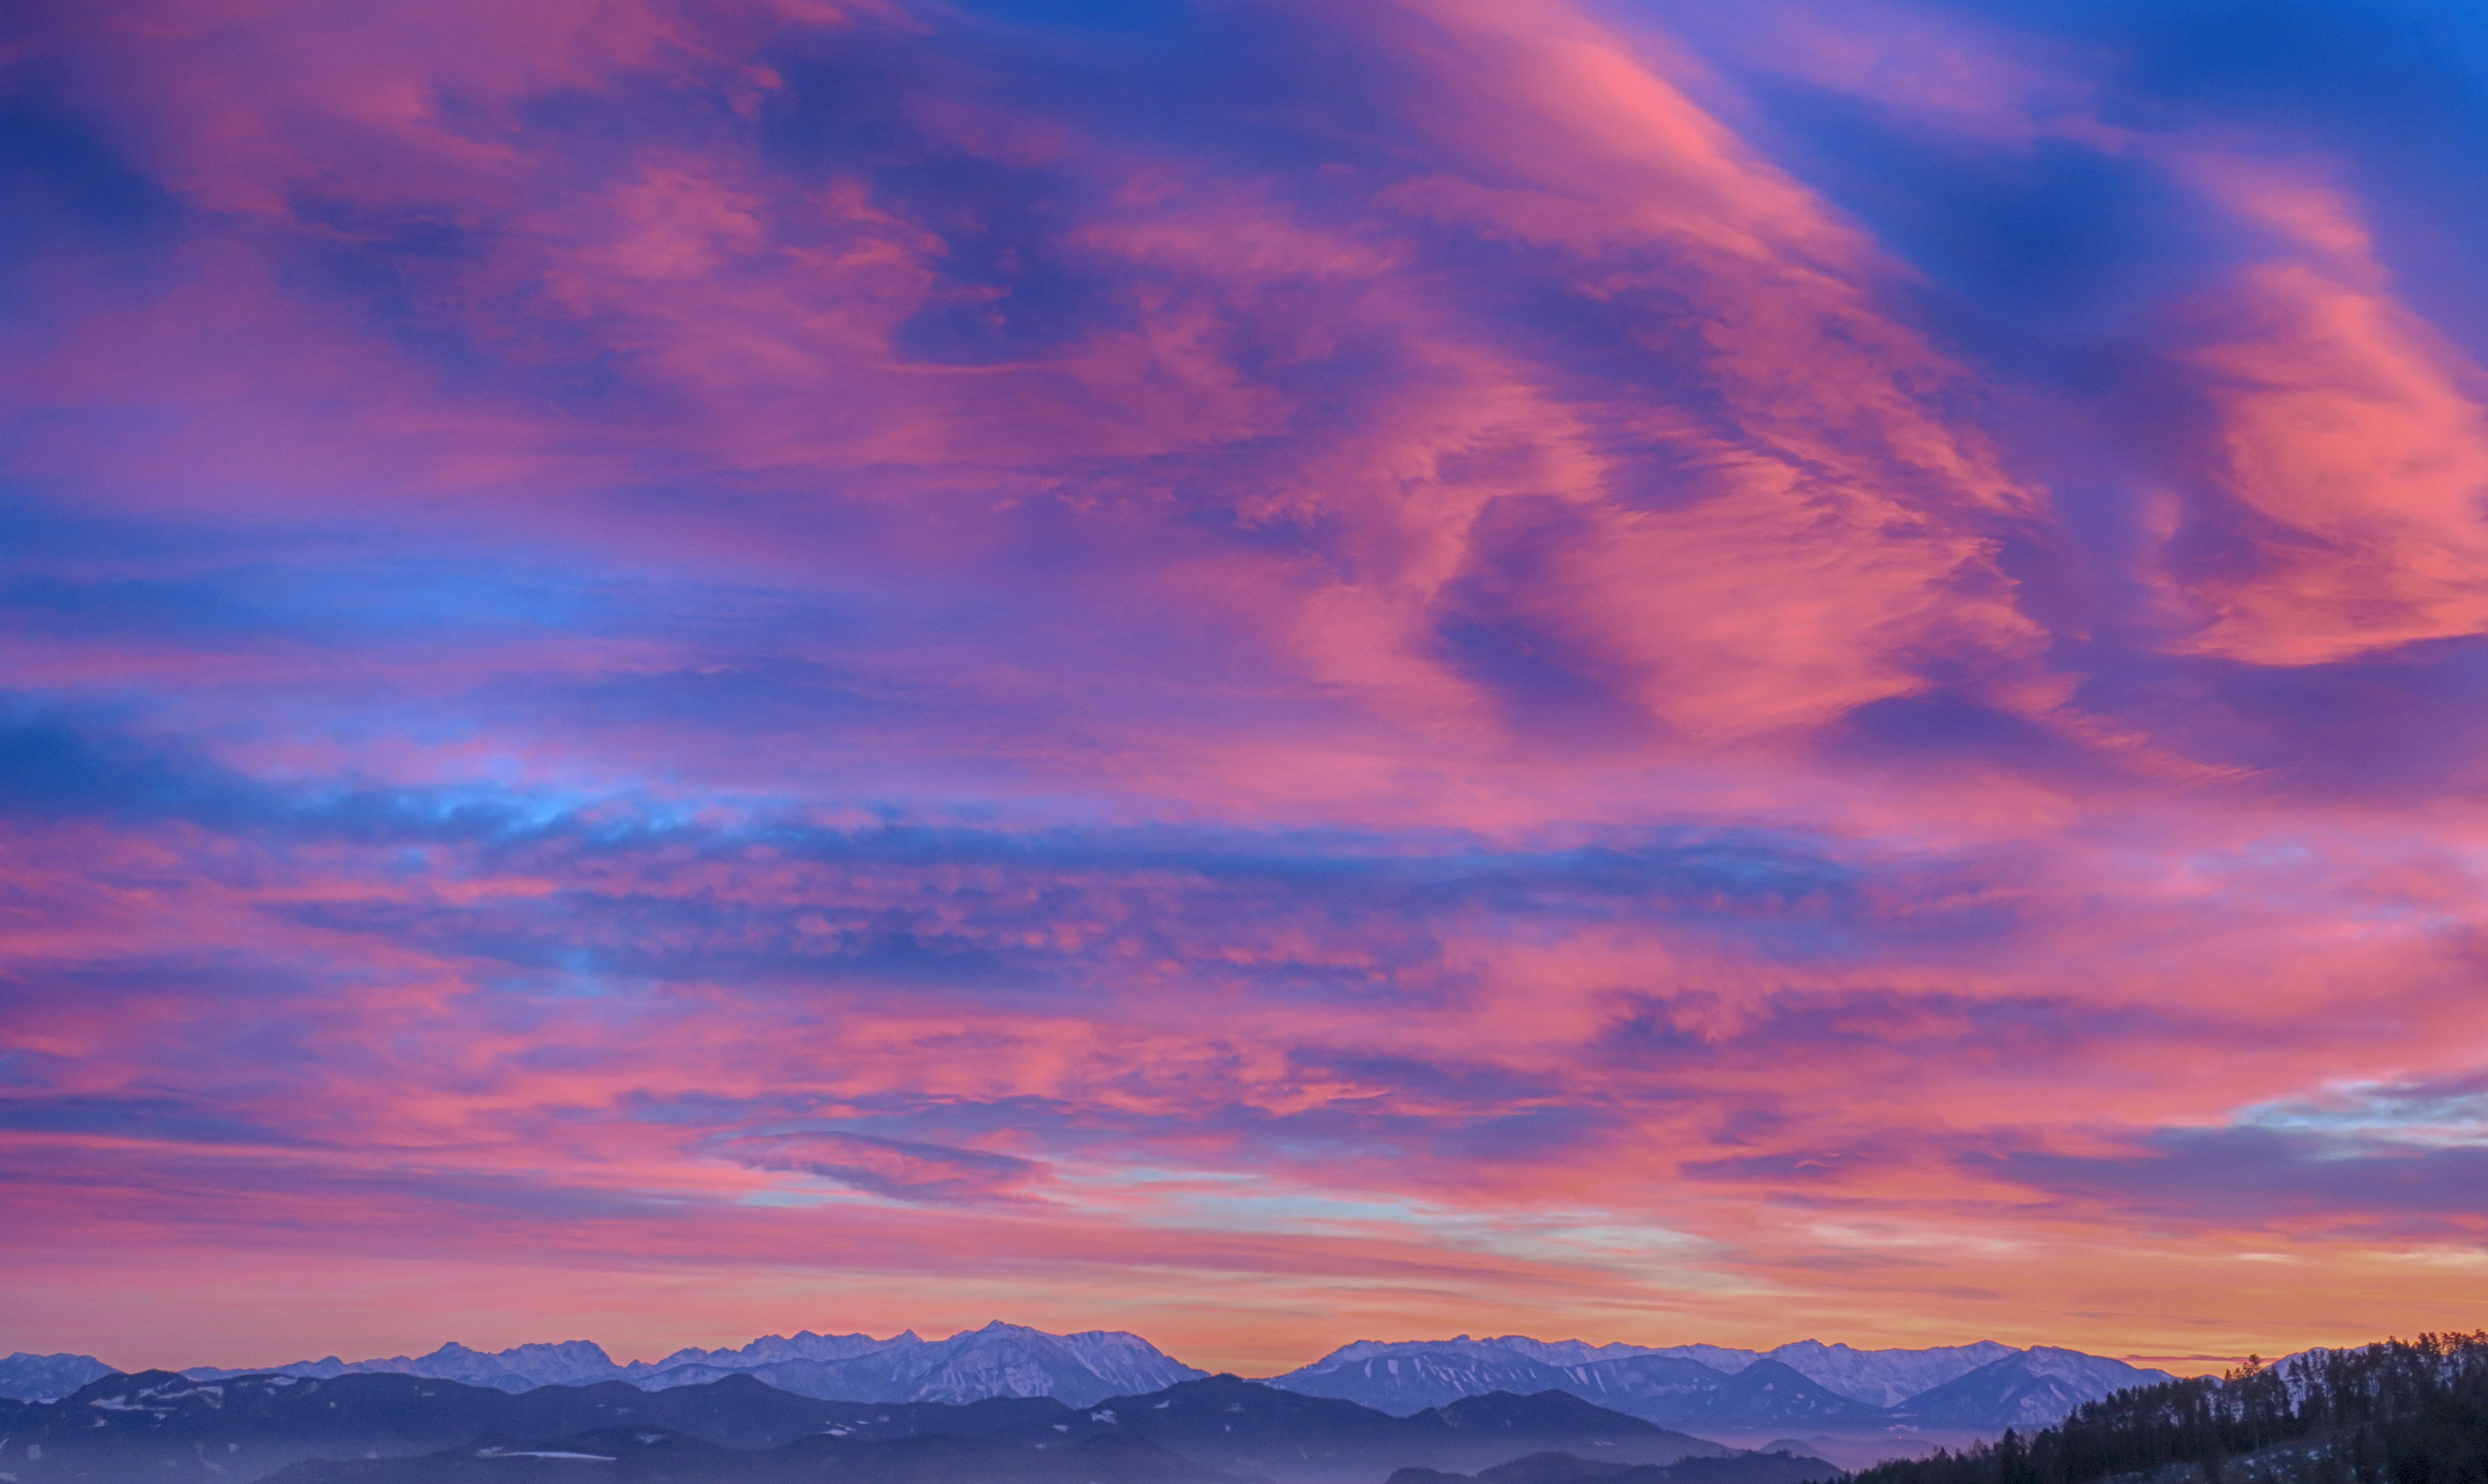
point(1806, 1388)
point(383, 1428)
point(999, 1360)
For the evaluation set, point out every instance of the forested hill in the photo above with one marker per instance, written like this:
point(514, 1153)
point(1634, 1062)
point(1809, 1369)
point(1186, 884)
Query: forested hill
point(2399, 1412)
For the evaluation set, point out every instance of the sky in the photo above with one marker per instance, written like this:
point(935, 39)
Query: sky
point(1266, 672)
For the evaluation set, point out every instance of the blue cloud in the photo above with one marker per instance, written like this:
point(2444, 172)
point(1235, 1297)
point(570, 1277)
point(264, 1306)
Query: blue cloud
point(2255, 1175)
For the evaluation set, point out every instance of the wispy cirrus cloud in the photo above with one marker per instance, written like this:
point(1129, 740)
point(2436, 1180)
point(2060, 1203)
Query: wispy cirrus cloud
point(901, 1168)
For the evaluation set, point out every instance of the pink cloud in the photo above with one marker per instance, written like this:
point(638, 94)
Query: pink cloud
point(1472, 698)
point(2351, 439)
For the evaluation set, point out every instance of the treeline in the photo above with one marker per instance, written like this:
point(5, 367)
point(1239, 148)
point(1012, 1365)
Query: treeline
point(2410, 1411)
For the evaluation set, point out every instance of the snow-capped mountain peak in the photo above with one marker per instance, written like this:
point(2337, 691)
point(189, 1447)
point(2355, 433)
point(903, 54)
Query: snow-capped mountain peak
point(1565, 1351)
point(997, 1360)
point(1544, 1352)
point(519, 1368)
point(1807, 1383)
point(1884, 1378)
point(25, 1376)
point(802, 1345)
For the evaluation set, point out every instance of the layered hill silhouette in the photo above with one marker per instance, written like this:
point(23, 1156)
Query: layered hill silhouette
point(1250, 1428)
point(1807, 1390)
point(396, 1429)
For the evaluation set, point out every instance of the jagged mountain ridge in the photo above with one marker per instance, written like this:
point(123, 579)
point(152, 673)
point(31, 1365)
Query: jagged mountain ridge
point(769, 1349)
point(1773, 1396)
point(1639, 1385)
point(25, 1376)
point(519, 1368)
point(1403, 1382)
point(1548, 1352)
point(1806, 1386)
point(999, 1360)
point(1878, 1378)
point(1885, 1378)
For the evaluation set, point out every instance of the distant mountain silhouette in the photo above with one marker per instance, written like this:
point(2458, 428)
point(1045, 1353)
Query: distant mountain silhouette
point(1245, 1427)
point(1806, 1386)
point(1457, 1404)
point(1883, 1378)
point(1836, 1389)
point(162, 1426)
point(170, 1429)
point(2027, 1388)
point(1659, 1386)
point(1769, 1394)
point(33, 1378)
point(999, 1360)
point(1406, 1381)
point(1667, 1390)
